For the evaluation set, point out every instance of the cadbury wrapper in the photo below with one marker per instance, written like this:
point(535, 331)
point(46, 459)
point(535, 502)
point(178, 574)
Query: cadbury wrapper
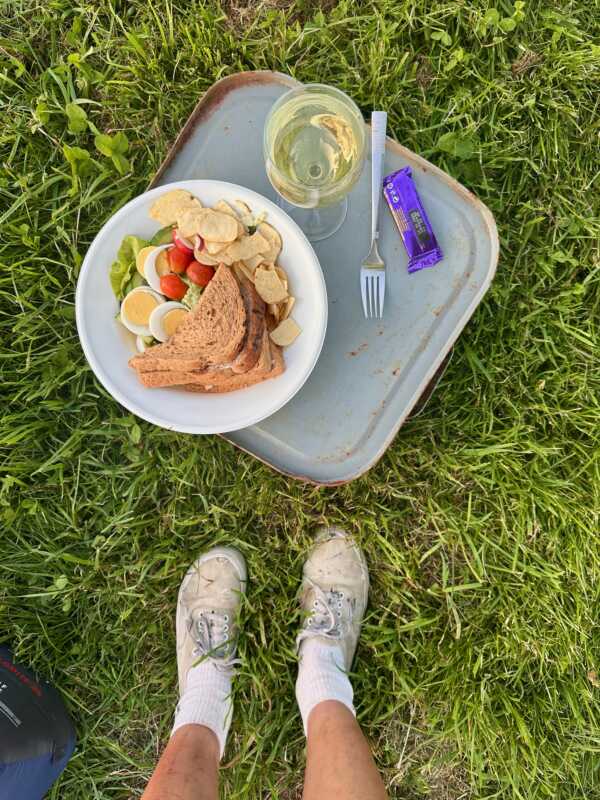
point(412, 221)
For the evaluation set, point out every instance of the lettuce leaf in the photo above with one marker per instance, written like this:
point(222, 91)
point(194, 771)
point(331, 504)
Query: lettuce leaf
point(163, 236)
point(123, 271)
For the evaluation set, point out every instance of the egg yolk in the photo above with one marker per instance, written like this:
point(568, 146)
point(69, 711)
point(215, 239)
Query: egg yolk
point(162, 264)
point(138, 307)
point(172, 320)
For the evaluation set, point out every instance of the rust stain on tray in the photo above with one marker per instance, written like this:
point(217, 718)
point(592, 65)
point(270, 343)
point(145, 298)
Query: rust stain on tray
point(358, 350)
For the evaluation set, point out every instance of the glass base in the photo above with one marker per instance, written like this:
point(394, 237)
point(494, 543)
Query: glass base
point(317, 223)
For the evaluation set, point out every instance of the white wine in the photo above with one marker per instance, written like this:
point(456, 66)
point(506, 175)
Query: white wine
point(314, 146)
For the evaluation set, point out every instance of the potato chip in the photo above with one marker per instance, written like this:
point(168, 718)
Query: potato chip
point(241, 208)
point(269, 286)
point(283, 276)
point(170, 206)
point(218, 227)
point(274, 311)
point(224, 208)
point(274, 239)
point(286, 332)
point(188, 223)
point(212, 248)
point(253, 262)
point(248, 273)
point(246, 247)
point(142, 256)
point(285, 308)
point(213, 226)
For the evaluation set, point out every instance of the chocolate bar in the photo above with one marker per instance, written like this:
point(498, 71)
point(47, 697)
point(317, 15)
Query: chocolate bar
point(412, 221)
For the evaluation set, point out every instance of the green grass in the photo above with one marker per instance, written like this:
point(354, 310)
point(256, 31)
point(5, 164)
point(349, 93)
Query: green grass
point(475, 676)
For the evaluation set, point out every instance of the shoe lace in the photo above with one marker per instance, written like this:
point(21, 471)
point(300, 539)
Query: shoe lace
point(214, 638)
point(327, 617)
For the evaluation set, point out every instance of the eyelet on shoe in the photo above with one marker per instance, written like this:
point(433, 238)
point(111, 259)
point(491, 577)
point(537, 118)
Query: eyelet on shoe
point(226, 617)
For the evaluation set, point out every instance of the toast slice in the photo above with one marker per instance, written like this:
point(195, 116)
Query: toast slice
point(222, 379)
point(255, 326)
point(244, 381)
point(213, 333)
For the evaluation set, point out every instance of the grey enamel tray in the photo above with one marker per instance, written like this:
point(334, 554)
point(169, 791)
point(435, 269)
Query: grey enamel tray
point(371, 373)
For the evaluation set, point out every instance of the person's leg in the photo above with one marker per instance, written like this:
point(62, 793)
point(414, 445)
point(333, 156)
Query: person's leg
point(207, 611)
point(188, 768)
point(334, 598)
point(339, 762)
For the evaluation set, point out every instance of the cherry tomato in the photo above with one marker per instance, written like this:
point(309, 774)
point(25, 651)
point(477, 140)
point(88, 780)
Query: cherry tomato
point(178, 260)
point(173, 287)
point(200, 274)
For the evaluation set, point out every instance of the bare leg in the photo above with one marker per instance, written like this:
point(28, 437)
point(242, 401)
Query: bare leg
point(188, 768)
point(339, 763)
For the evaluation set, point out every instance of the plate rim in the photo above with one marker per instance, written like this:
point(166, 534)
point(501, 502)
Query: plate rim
point(104, 378)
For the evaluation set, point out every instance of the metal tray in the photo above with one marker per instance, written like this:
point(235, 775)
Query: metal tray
point(371, 373)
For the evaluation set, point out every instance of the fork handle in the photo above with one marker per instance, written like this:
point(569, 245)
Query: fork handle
point(378, 127)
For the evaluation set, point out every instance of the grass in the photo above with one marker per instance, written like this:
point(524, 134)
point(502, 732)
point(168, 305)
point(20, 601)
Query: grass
point(477, 671)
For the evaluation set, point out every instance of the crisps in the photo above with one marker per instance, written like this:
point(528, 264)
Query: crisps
point(269, 233)
point(224, 208)
point(253, 262)
point(282, 276)
point(241, 208)
point(274, 311)
point(213, 226)
point(285, 308)
point(218, 227)
point(212, 248)
point(286, 332)
point(246, 247)
point(247, 273)
point(269, 286)
point(188, 223)
point(170, 206)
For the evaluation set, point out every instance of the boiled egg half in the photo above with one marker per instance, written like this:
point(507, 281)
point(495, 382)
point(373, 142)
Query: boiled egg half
point(166, 318)
point(156, 264)
point(137, 308)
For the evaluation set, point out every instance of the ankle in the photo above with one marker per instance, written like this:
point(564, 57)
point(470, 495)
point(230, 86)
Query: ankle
point(321, 677)
point(326, 715)
point(202, 740)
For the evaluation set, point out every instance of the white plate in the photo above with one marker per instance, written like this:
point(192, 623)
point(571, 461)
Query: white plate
point(108, 345)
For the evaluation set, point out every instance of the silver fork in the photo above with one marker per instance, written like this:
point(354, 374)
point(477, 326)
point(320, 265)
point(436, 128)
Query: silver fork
point(372, 271)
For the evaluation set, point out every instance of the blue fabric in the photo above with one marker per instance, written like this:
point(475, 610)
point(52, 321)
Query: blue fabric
point(30, 780)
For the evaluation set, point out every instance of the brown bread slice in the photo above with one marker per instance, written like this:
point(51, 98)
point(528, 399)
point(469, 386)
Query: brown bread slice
point(213, 333)
point(235, 382)
point(270, 364)
point(255, 327)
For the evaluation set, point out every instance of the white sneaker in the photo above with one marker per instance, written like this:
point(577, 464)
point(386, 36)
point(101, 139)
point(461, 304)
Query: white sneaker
point(335, 588)
point(207, 609)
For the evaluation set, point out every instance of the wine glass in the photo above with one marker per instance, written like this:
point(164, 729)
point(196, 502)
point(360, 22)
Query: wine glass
point(314, 148)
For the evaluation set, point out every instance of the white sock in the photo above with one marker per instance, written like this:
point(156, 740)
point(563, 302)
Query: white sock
point(207, 701)
point(321, 676)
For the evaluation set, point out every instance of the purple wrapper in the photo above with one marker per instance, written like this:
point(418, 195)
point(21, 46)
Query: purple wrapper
point(412, 221)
